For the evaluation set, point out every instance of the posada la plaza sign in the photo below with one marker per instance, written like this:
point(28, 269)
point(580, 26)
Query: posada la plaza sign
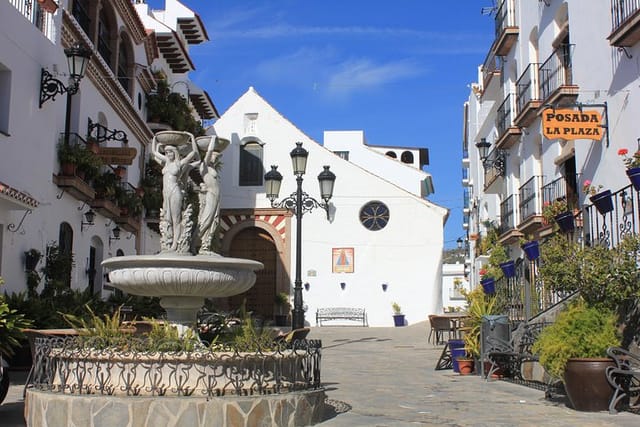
point(572, 124)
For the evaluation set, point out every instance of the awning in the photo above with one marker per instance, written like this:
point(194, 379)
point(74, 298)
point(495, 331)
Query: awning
point(16, 199)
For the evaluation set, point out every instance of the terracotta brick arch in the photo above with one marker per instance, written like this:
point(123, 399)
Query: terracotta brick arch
point(262, 236)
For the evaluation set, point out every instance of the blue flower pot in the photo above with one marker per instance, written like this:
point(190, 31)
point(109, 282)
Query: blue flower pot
point(634, 177)
point(565, 221)
point(531, 250)
point(509, 269)
point(603, 201)
point(488, 285)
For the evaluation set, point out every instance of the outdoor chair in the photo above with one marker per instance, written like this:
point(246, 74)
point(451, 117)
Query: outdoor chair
point(439, 326)
point(290, 338)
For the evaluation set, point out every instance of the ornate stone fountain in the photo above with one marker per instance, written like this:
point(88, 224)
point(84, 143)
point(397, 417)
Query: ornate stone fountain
point(226, 386)
point(180, 278)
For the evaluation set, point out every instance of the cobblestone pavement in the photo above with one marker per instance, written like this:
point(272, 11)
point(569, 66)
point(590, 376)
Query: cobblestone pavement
point(385, 377)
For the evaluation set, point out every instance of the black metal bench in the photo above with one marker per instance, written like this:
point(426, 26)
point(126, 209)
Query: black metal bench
point(341, 313)
point(506, 358)
point(624, 378)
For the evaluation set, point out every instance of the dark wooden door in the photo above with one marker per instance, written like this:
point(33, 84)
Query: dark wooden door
point(254, 243)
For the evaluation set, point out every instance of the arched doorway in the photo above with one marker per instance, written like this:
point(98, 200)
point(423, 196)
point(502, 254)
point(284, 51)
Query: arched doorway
point(256, 244)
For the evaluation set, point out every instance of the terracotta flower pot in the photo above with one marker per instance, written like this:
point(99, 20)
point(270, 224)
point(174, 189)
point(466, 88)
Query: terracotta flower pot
point(466, 366)
point(586, 383)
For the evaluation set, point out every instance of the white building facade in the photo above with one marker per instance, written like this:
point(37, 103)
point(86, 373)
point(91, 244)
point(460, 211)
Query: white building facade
point(39, 206)
point(547, 56)
point(381, 243)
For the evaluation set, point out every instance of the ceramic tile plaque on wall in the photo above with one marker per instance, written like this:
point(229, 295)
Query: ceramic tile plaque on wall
point(343, 260)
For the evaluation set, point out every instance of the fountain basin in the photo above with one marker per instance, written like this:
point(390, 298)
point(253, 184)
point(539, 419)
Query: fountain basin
point(182, 281)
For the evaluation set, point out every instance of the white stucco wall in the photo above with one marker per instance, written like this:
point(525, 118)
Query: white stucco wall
point(406, 254)
point(450, 296)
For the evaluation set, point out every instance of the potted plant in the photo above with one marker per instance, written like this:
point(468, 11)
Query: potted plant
point(398, 317)
point(574, 349)
point(633, 166)
point(88, 164)
point(68, 158)
point(31, 259)
point(106, 186)
point(602, 199)
point(479, 304)
point(558, 211)
point(282, 304)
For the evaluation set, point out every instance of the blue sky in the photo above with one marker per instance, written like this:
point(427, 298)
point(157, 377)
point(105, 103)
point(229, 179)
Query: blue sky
point(397, 70)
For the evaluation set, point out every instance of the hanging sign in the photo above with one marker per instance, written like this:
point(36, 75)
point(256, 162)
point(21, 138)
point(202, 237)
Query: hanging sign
point(572, 124)
point(117, 155)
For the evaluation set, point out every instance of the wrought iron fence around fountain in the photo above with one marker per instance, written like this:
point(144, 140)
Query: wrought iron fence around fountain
point(66, 365)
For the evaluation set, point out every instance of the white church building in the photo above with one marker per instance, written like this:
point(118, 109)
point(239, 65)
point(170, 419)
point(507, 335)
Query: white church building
point(381, 243)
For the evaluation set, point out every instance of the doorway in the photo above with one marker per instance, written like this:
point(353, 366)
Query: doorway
point(256, 244)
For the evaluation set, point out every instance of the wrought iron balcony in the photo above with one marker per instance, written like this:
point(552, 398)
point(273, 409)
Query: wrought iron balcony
point(506, 28)
point(557, 190)
point(527, 96)
point(556, 77)
point(494, 168)
point(37, 15)
point(530, 205)
point(466, 181)
point(625, 23)
point(508, 133)
point(491, 67)
point(609, 229)
point(508, 217)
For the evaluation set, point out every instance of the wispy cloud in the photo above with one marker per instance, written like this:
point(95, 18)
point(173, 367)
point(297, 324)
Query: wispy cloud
point(323, 71)
point(363, 75)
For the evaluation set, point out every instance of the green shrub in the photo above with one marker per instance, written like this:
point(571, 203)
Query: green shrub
point(579, 331)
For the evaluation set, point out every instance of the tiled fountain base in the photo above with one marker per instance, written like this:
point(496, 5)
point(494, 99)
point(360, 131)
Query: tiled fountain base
point(44, 409)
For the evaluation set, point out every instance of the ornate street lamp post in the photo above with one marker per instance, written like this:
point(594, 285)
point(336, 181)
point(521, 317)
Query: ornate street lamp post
point(299, 203)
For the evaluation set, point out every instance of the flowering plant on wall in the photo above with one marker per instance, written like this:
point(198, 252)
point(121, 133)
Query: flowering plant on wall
point(630, 162)
point(590, 189)
point(551, 209)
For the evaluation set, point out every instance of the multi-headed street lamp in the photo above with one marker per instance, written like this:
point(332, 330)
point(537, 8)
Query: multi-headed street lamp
point(299, 203)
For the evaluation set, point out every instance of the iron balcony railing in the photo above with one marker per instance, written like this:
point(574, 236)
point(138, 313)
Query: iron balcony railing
point(530, 198)
point(490, 67)
point(621, 10)
point(557, 190)
point(508, 214)
point(527, 88)
point(505, 16)
point(466, 200)
point(39, 17)
point(494, 166)
point(556, 71)
point(610, 228)
point(504, 116)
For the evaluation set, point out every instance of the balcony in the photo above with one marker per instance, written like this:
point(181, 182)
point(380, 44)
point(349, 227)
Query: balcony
point(40, 14)
point(491, 68)
point(508, 233)
point(527, 96)
point(625, 23)
point(556, 78)
point(494, 170)
point(465, 222)
point(530, 205)
point(466, 202)
point(465, 159)
point(508, 133)
point(506, 28)
point(466, 181)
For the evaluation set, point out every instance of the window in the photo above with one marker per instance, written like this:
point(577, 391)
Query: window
point(104, 44)
point(391, 154)
point(124, 64)
point(65, 247)
point(251, 170)
point(407, 157)
point(342, 154)
point(374, 216)
point(80, 11)
point(5, 97)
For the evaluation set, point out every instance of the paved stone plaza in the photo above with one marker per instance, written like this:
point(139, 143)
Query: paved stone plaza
point(386, 377)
